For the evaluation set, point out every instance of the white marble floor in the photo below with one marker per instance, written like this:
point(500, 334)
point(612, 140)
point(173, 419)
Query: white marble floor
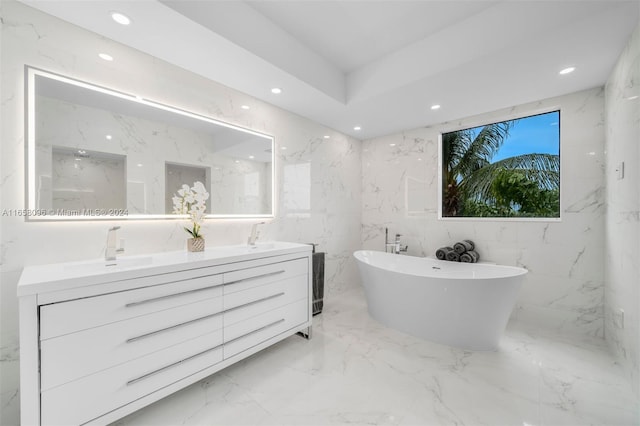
point(354, 371)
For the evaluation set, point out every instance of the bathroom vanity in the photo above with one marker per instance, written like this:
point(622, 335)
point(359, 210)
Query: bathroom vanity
point(99, 340)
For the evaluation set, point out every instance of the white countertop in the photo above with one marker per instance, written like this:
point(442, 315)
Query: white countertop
point(42, 278)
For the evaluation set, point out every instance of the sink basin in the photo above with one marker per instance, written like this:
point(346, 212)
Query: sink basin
point(100, 266)
point(260, 246)
point(58, 276)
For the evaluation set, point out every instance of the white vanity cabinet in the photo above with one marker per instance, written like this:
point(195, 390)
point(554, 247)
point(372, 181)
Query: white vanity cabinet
point(99, 344)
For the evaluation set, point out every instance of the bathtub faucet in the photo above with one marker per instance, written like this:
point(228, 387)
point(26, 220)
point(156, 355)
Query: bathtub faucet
point(393, 247)
point(397, 247)
point(388, 247)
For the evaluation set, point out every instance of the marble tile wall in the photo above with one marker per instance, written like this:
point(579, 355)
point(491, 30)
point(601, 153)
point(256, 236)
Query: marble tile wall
point(330, 218)
point(622, 264)
point(564, 288)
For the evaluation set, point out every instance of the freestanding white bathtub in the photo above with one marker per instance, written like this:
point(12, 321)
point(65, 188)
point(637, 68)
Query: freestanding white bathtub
point(465, 305)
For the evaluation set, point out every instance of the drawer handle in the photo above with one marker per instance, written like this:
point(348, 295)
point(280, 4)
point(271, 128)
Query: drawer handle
point(168, 296)
point(166, 367)
point(153, 333)
point(257, 330)
point(268, 274)
point(253, 302)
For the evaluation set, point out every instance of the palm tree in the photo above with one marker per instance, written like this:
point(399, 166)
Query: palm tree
point(468, 173)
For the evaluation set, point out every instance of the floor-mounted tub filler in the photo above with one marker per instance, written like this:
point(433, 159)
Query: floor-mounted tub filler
point(465, 305)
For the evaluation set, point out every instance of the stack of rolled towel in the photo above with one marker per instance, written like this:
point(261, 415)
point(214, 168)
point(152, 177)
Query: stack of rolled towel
point(462, 251)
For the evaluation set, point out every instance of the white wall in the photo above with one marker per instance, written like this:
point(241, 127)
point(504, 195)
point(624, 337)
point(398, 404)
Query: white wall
point(622, 266)
point(331, 217)
point(563, 291)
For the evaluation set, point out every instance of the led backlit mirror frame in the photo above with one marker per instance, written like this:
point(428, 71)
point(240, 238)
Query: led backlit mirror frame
point(35, 211)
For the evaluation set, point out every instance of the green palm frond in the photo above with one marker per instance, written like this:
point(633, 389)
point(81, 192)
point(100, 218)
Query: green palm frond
point(464, 153)
point(543, 169)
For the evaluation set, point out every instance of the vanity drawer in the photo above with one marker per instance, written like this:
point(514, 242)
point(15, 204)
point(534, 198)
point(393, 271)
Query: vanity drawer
point(261, 275)
point(248, 303)
point(246, 334)
point(76, 355)
point(85, 399)
point(67, 317)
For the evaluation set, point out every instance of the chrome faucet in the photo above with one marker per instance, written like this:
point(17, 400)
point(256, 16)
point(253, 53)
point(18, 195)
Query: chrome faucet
point(387, 244)
point(396, 244)
point(111, 251)
point(393, 247)
point(254, 234)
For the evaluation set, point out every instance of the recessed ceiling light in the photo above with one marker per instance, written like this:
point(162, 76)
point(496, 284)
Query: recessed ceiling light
point(357, 128)
point(245, 107)
point(568, 70)
point(139, 164)
point(120, 18)
point(283, 148)
point(392, 144)
point(251, 157)
point(434, 107)
point(109, 137)
point(237, 161)
point(276, 90)
point(105, 56)
point(326, 136)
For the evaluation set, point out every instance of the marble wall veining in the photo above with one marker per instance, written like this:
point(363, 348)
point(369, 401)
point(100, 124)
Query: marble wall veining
point(326, 211)
point(622, 262)
point(564, 288)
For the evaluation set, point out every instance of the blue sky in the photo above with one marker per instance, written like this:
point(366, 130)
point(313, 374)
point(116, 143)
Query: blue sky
point(538, 134)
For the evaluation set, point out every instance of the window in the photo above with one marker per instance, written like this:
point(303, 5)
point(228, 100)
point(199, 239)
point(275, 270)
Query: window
point(505, 169)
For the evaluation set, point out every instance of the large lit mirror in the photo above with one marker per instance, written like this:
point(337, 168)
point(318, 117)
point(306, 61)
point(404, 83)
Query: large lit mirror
point(96, 153)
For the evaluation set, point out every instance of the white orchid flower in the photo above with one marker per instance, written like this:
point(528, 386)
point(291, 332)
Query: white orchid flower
point(192, 201)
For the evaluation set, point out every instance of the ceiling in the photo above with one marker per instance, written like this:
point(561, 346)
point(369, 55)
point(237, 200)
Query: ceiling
point(379, 65)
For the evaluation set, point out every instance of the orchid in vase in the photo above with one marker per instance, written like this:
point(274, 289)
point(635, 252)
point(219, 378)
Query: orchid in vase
point(193, 202)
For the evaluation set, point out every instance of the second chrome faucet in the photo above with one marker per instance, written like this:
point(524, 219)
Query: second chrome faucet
point(254, 234)
point(112, 250)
